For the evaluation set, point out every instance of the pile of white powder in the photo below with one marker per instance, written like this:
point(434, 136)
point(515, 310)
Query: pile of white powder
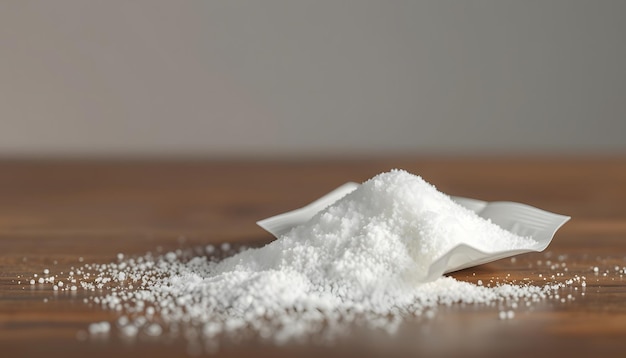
point(360, 261)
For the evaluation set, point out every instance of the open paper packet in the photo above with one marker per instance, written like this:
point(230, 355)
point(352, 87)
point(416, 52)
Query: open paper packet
point(520, 219)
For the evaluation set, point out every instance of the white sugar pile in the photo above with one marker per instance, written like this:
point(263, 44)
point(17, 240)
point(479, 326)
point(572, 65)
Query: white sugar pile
point(360, 260)
point(391, 228)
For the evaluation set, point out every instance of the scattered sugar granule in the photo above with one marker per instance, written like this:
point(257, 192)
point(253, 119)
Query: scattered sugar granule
point(510, 314)
point(99, 328)
point(209, 249)
point(154, 330)
point(129, 330)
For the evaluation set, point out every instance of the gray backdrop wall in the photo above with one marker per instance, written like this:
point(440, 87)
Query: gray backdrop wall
point(224, 78)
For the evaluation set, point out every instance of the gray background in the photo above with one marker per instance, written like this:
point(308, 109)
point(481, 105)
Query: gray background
point(292, 78)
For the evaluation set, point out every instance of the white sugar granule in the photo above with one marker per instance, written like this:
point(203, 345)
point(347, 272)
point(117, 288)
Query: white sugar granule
point(99, 328)
point(360, 261)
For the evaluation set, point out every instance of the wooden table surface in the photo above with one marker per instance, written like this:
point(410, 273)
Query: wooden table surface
point(60, 214)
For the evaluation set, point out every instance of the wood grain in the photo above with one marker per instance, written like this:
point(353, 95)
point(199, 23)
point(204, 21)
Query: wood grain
point(61, 214)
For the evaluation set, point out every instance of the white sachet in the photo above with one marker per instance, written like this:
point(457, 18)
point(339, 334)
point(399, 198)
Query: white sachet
point(441, 233)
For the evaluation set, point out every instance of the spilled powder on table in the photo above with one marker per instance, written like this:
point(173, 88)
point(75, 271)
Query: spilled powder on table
point(360, 261)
